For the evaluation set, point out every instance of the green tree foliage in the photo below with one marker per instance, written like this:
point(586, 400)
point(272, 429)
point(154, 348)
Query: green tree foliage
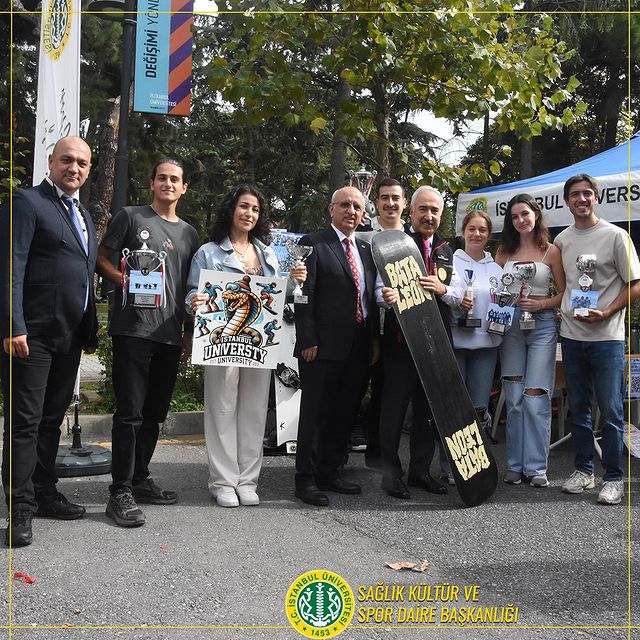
point(396, 57)
point(602, 62)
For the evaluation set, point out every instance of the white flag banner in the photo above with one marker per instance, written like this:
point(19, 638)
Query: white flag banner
point(58, 110)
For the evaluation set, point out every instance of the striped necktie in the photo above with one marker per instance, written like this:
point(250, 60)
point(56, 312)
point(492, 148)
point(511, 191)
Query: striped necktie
point(351, 259)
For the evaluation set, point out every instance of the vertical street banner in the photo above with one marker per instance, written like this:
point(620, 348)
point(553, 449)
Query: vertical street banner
point(58, 107)
point(240, 324)
point(162, 81)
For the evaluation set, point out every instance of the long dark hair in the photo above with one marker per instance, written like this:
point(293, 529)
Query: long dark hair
point(224, 215)
point(510, 240)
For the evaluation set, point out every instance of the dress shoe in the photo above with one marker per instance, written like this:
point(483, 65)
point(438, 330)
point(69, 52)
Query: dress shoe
point(338, 485)
point(396, 488)
point(19, 532)
point(57, 506)
point(312, 495)
point(427, 483)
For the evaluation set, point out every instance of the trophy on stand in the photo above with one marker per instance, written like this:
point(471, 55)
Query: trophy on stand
point(469, 322)
point(500, 317)
point(363, 180)
point(142, 270)
point(584, 298)
point(299, 253)
point(525, 271)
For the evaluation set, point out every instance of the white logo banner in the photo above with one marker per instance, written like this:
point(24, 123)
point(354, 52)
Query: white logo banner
point(58, 110)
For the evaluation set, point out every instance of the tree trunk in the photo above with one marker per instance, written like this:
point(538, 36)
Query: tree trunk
point(381, 119)
point(295, 220)
point(611, 112)
point(251, 154)
point(526, 157)
point(102, 182)
point(338, 169)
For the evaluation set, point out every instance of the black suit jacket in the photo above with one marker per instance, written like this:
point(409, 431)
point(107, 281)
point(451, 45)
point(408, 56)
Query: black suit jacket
point(50, 268)
point(328, 321)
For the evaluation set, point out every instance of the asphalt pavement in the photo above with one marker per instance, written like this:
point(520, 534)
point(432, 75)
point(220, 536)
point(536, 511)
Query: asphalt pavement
point(199, 571)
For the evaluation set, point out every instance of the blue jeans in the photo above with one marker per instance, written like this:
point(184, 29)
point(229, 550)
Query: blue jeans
point(531, 356)
point(477, 367)
point(596, 367)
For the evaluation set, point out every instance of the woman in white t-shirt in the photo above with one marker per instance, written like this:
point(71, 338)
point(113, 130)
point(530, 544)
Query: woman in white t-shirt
point(528, 356)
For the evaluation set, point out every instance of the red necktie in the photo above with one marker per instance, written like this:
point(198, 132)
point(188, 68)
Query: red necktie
point(351, 259)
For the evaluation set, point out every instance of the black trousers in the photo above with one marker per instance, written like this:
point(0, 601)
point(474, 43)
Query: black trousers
point(376, 383)
point(144, 374)
point(331, 393)
point(35, 405)
point(401, 384)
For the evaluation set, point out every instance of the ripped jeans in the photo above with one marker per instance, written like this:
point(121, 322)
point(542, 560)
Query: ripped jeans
point(530, 355)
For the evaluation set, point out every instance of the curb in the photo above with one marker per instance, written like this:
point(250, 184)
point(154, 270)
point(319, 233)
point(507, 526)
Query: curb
point(176, 424)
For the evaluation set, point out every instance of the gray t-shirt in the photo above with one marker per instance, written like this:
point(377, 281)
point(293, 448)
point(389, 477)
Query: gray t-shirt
point(179, 240)
point(616, 265)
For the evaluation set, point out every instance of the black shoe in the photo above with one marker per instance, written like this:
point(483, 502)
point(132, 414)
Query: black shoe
point(427, 483)
point(396, 488)
point(123, 509)
point(19, 532)
point(148, 492)
point(57, 506)
point(338, 485)
point(312, 495)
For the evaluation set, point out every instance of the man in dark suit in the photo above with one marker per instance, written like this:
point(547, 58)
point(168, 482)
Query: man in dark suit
point(48, 316)
point(333, 333)
point(401, 380)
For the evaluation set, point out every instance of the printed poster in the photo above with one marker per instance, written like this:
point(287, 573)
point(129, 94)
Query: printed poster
point(240, 325)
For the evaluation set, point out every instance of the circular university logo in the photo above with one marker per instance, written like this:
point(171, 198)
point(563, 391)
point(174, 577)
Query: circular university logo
point(479, 203)
point(57, 28)
point(319, 604)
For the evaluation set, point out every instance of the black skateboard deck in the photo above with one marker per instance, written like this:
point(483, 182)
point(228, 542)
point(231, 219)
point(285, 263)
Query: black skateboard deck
point(400, 264)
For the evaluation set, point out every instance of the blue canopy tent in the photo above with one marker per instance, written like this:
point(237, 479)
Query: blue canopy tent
point(617, 171)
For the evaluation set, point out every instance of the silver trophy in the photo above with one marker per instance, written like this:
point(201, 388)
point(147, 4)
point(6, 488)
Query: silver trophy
point(525, 271)
point(363, 181)
point(469, 322)
point(143, 270)
point(586, 264)
point(299, 253)
point(504, 298)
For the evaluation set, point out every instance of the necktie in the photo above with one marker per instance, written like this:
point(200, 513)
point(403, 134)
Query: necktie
point(427, 256)
point(74, 215)
point(351, 259)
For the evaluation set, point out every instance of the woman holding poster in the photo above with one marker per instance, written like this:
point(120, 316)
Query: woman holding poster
point(236, 398)
point(528, 354)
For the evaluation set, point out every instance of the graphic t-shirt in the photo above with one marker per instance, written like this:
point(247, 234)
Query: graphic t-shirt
point(180, 241)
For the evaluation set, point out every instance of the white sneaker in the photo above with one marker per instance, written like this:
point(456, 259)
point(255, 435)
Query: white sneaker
point(248, 497)
point(227, 499)
point(578, 481)
point(611, 492)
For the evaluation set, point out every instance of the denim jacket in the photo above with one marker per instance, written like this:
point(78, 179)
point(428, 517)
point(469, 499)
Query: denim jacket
point(220, 257)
